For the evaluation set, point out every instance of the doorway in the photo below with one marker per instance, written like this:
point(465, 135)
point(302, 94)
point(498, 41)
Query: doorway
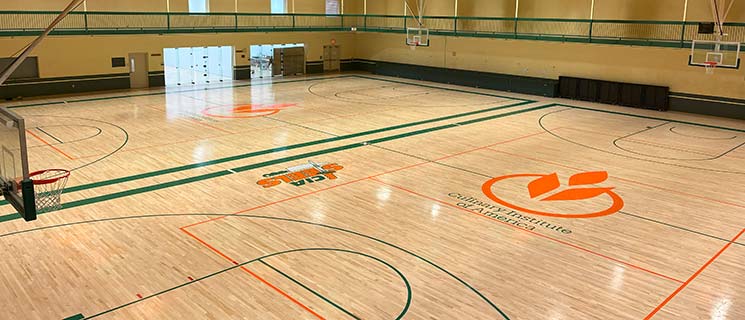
point(331, 58)
point(139, 70)
point(268, 60)
point(198, 65)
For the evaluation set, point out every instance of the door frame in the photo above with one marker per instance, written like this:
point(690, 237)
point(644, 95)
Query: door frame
point(139, 67)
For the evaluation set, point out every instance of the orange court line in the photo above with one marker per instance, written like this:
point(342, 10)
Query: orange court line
point(358, 180)
point(267, 283)
point(696, 274)
point(534, 233)
point(50, 145)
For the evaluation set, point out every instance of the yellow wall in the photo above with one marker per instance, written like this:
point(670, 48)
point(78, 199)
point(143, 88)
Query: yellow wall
point(392, 7)
point(128, 5)
point(75, 55)
point(354, 6)
point(486, 8)
point(576, 9)
point(310, 6)
point(254, 6)
point(641, 9)
point(646, 65)
point(48, 5)
point(439, 8)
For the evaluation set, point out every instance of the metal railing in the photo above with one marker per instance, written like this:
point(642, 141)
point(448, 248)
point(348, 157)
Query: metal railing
point(629, 32)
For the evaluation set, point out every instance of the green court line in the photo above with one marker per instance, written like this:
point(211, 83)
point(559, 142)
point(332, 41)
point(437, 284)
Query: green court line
point(648, 117)
point(221, 173)
point(78, 316)
point(400, 275)
point(274, 150)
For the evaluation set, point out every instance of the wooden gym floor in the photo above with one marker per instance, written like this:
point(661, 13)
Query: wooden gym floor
point(433, 202)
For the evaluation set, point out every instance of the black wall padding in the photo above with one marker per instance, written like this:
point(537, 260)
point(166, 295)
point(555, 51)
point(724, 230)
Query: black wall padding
point(625, 94)
point(477, 79)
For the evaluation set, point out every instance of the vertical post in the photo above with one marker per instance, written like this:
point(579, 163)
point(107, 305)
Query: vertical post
point(235, 14)
point(168, 21)
point(683, 28)
point(85, 15)
point(517, 14)
point(592, 20)
point(364, 9)
point(455, 18)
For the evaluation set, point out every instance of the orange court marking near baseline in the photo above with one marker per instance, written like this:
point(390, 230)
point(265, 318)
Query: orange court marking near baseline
point(50, 145)
point(267, 283)
point(694, 276)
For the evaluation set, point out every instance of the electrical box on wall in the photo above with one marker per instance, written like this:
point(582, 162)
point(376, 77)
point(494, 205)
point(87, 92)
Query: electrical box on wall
point(118, 62)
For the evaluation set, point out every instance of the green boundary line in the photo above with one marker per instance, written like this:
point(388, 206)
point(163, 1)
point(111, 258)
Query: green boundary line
point(221, 173)
point(290, 147)
point(78, 316)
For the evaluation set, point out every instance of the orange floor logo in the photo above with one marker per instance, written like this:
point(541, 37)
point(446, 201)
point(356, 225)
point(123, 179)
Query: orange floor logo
point(246, 111)
point(543, 184)
point(301, 175)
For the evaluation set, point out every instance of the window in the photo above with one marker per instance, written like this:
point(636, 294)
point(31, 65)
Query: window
point(332, 7)
point(278, 6)
point(198, 6)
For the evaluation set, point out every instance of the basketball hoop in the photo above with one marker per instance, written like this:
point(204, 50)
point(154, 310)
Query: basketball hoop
point(710, 67)
point(48, 187)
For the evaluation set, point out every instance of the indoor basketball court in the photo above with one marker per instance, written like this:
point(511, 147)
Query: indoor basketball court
point(426, 179)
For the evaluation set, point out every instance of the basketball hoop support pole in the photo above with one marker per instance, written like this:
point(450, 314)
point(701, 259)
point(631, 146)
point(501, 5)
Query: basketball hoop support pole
point(29, 199)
